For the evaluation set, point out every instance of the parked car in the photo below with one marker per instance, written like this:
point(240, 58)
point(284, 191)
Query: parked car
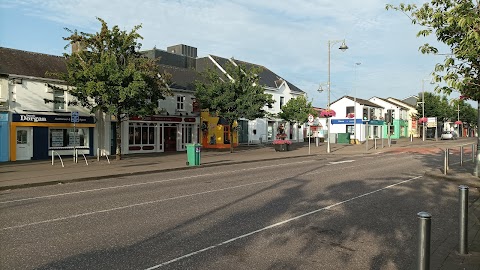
point(449, 135)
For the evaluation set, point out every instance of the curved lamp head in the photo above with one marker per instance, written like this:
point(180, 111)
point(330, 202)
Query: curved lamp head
point(343, 47)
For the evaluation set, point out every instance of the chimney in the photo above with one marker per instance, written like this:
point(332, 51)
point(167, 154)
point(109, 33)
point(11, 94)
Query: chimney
point(184, 50)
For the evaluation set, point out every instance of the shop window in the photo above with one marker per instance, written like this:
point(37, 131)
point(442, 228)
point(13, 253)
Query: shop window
point(141, 134)
point(69, 137)
point(226, 135)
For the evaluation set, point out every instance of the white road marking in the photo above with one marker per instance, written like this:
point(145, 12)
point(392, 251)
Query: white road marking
point(135, 205)
point(152, 182)
point(340, 162)
point(275, 225)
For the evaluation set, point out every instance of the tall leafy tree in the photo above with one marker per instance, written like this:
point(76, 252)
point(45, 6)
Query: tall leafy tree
point(234, 97)
point(108, 74)
point(296, 110)
point(455, 23)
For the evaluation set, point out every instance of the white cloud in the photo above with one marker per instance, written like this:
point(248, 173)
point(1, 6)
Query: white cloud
point(287, 36)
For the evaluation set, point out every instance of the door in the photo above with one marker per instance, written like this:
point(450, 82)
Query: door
point(170, 138)
point(24, 143)
point(242, 131)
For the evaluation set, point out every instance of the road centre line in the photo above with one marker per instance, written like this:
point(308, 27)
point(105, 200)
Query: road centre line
point(135, 205)
point(340, 162)
point(153, 182)
point(276, 225)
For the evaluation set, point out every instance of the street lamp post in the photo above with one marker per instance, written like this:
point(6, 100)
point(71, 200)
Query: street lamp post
point(355, 108)
point(423, 110)
point(342, 47)
point(423, 107)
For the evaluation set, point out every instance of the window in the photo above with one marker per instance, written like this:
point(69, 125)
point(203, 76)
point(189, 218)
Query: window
point(282, 101)
point(21, 136)
point(69, 137)
point(141, 134)
point(365, 114)
point(349, 110)
point(58, 100)
point(372, 114)
point(350, 129)
point(180, 103)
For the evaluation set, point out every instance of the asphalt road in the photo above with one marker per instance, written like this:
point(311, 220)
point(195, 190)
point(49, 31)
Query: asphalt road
point(326, 212)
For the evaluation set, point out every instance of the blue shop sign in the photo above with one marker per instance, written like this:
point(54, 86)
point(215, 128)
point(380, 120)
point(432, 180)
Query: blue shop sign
point(41, 118)
point(345, 121)
point(4, 117)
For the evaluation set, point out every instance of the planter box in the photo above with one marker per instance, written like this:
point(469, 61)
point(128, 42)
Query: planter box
point(282, 147)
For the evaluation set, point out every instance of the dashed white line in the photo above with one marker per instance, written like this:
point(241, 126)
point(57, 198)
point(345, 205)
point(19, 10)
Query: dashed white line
point(152, 182)
point(340, 162)
point(134, 205)
point(275, 225)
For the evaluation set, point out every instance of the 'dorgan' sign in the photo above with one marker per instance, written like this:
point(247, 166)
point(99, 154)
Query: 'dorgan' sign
point(32, 118)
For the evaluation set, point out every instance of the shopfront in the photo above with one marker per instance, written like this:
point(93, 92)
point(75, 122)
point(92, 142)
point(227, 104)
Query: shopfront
point(152, 134)
point(34, 136)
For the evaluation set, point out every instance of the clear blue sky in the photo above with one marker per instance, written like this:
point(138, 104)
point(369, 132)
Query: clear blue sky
point(287, 36)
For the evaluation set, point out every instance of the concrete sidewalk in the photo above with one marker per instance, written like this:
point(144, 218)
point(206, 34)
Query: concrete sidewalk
point(39, 173)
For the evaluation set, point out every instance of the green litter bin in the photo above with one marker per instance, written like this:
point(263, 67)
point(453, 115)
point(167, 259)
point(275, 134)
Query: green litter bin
point(193, 154)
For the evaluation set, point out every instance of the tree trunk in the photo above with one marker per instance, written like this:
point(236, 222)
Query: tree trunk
point(231, 137)
point(476, 171)
point(118, 127)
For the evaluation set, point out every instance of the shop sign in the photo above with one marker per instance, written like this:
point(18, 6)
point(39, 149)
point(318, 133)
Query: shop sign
point(162, 118)
point(32, 118)
point(376, 122)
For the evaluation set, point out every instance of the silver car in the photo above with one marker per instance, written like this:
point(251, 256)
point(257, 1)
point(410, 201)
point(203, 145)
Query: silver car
point(449, 135)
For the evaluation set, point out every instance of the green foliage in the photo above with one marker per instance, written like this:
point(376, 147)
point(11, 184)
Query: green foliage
point(109, 74)
point(234, 97)
point(239, 97)
point(297, 110)
point(455, 23)
point(445, 110)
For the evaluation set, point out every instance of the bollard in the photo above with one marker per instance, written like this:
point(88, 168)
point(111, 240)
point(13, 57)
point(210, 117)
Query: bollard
point(473, 153)
point(424, 240)
point(463, 198)
point(461, 155)
point(445, 161)
point(375, 142)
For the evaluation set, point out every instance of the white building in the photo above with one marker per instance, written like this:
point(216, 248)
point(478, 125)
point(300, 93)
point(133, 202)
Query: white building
point(352, 116)
point(265, 129)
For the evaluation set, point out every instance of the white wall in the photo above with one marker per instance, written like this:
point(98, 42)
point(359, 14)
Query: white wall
point(30, 95)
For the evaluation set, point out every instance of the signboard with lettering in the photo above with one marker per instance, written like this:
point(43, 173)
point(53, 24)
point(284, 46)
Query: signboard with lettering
point(345, 121)
point(41, 118)
point(75, 117)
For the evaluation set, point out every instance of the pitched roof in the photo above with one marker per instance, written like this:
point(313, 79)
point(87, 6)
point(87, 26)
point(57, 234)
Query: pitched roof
point(361, 101)
point(393, 103)
point(18, 62)
point(403, 103)
point(182, 78)
point(266, 76)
